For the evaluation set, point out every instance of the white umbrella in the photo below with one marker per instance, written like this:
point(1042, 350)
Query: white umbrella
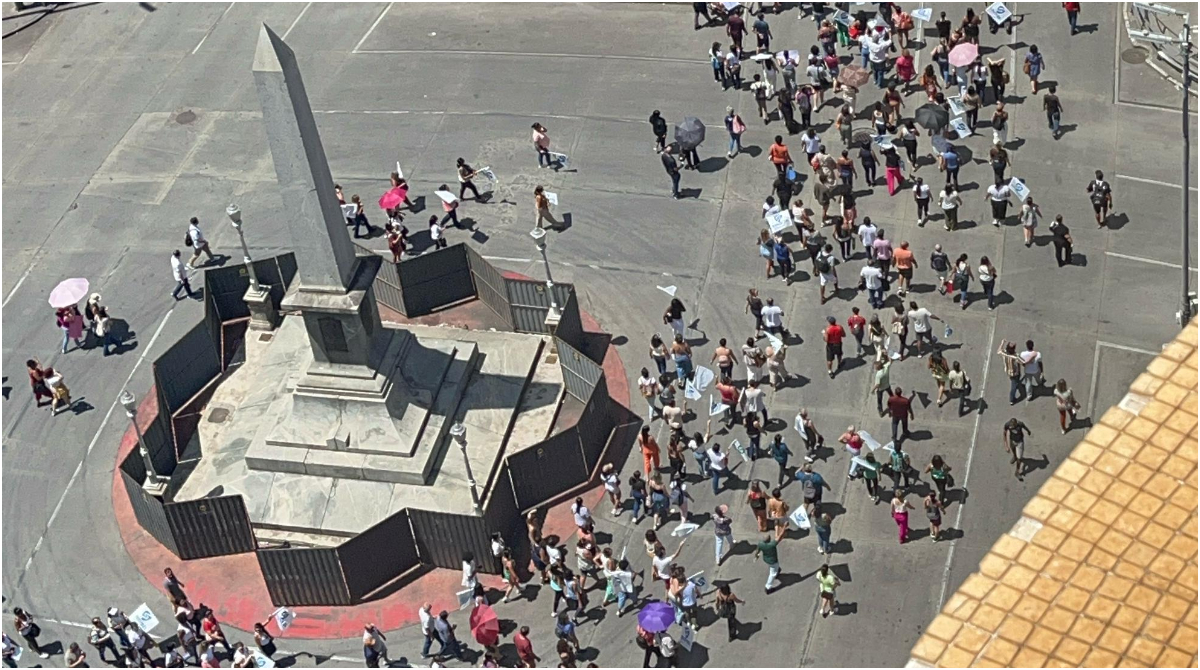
point(68, 292)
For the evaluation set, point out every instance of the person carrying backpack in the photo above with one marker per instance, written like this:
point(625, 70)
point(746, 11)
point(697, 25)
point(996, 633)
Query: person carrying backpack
point(900, 465)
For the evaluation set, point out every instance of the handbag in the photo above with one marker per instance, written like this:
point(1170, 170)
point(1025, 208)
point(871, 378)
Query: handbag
point(1025, 68)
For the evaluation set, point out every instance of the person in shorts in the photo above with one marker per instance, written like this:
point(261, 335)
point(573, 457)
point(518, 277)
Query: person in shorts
point(1014, 444)
point(1101, 196)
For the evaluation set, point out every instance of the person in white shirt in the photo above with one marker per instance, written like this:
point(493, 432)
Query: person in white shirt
point(648, 385)
point(583, 515)
point(753, 400)
point(867, 233)
point(873, 281)
point(919, 317)
point(754, 358)
point(772, 316)
point(812, 143)
point(717, 462)
point(950, 201)
point(878, 47)
point(427, 618)
point(921, 195)
point(998, 193)
point(179, 270)
point(1032, 370)
point(769, 207)
point(437, 233)
point(622, 581)
point(199, 244)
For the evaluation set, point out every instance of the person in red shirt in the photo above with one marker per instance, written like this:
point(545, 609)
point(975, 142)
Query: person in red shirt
point(1072, 15)
point(779, 155)
point(650, 450)
point(525, 649)
point(900, 407)
point(213, 633)
point(857, 325)
point(833, 344)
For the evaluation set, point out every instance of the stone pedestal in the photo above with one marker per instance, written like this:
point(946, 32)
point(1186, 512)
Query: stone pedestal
point(263, 315)
point(552, 320)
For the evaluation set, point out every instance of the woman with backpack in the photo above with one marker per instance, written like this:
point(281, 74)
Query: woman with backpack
point(962, 279)
point(933, 512)
point(939, 472)
point(735, 126)
point(726, 607)
point(757, 500)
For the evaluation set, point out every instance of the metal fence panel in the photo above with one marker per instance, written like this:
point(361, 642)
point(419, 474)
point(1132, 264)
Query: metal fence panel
point(595, 425)
point(303, 576)
point(545, 470)
point(435, 279)
point(501, 513)
point(147, 509)
point(442, 539)
point(580, 373)
point(387, 285)
point(378, 555)
point(211, 527)
point(530, 302)
point(570, 327)
point(186, 367)
point(489, 285)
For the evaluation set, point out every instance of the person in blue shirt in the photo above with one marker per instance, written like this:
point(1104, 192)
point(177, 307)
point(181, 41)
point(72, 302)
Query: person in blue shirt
point(949, 163)
point(780, 452)
point(783, 257)
point(812, 485)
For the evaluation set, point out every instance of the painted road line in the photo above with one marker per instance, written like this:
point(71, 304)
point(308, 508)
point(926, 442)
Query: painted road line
point(371, 29)
point(212, 28)
point(1156, 182)
point(1142, 259)
point(91, 445)
point(295, 21)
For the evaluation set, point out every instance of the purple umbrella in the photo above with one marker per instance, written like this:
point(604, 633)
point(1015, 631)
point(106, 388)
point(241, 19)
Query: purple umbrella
point(656, 617)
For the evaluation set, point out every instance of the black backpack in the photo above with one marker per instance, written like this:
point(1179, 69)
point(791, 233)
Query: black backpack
point(187, 239)
point(823, 266)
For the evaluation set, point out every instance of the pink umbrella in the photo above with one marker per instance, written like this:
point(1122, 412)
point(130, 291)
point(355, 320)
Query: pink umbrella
point(393, 197)
point(69, 292)
point(964, 54)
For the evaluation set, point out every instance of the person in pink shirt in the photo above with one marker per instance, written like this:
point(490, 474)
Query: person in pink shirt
point(904, 67)
point(541, 144)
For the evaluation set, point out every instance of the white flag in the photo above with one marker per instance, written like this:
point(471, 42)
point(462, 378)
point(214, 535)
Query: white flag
point(283, 618)
point(464, 598)
point(776, 343)
point(698, 579)
point(868, 441)
point(552, 197)
point(737, 445)
point(684, 529)
point(399, 172)
point(779, 221)
point(261, 660)
point(687, 637)
point(446, 196)
point(800, 428)
point(349, 210)
point(690, 391)
point(800, 518)
point(999, 12)
point(715, 407)
point(669, 290)
point(144, 618)
point(1019, 189)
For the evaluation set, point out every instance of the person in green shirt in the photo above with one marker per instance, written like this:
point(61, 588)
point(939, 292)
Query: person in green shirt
point(939, 472)
point(883, 383)
point(769, 549)
point(828, 583)
point(870, 475)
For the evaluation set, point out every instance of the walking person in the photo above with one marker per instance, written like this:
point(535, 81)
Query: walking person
point(717, 60)
point(726, 608)
point(1034, 64)
point(1064, 400)
point(1061, 236)
point(179, 270)
point(1100, 194)
point(650, 451)
point(672, 167)
point(1072, 9)
point(71, 322)
point(757, 501)
point(872, 280)
point(940, 370)
point(449, 207)
point(870, 475)
point(541, 203)
point(658, 125)
point(833, 334)
point(437, 233)
point(900, 508)
point(541, 144)
point(722, 532)
point(948, 163)
point(1014, 443)
point(922, 195)
point(1032, 371)
point(1000, 124)
point(1053, 108)
point(998, 158)
point(649, 388)
point(939, 472)
point(878, 335)
point(762, 93)
point(923, 329)
point(718, 466)
point(823, 527)
point(960, 385)
point(900, 408)
point(882, 381)
point(905, 264)
point(735, 126)
point(827, 582)
point(195, 239)
point(998, 195)
point(901, 467)
point(987, 278)
point(972, 100)
point(933, 512)
point(892, 163)
point(857, 325)
point(1030, 215)
point(768, 548)
point(870, 163)
point(962, 279)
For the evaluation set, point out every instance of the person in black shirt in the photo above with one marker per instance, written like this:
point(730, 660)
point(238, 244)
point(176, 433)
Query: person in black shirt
point(659, 125)
point(1101, 195)
point(1062, 241)
point(701, 9)
point(1053, 108)
point(943, 26)
point(672, 167)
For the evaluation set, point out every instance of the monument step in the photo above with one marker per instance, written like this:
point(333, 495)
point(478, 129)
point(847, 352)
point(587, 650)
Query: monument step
point(277, 537)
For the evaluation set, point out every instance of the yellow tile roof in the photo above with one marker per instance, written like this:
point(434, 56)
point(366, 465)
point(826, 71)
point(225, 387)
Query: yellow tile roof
point(1100, 571)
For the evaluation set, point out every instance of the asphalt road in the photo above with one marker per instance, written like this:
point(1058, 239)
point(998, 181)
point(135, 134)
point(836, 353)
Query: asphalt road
point(123, 120)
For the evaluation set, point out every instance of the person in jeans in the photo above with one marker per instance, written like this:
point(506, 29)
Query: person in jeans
point(822, 526)
point(768, 548)
point(722, 531)
point(900, 408)
point(1012, 366)
point(882, 383)
point(735, 127)
point(1032, 369)
point(659, 126)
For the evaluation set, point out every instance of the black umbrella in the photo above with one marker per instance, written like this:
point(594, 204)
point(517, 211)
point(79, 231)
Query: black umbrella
point(932, 116)
point(689, 133)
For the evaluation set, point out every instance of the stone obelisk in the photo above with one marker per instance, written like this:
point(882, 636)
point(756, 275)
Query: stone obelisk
point(351, 351)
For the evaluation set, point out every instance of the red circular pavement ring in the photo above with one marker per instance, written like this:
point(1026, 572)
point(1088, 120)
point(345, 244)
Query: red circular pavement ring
point(233, 585)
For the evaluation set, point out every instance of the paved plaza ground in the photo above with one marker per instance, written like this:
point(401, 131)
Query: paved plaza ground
point(123, 120)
